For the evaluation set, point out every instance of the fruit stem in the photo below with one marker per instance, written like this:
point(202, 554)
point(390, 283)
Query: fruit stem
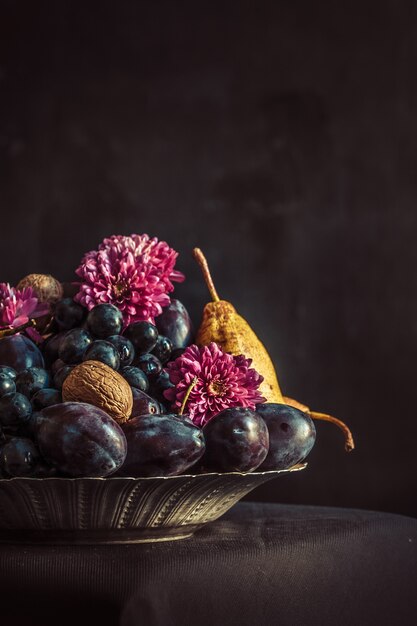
point(187, 395)
point(202, 261)
point(7, 332)
point(349, 443)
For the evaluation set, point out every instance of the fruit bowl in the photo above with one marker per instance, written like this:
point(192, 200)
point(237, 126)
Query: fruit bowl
point(119, 509)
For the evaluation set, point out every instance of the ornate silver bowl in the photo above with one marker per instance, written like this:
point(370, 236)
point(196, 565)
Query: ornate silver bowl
point(119, 510)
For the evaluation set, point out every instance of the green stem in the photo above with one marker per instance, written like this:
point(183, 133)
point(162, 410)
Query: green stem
point(187, 395)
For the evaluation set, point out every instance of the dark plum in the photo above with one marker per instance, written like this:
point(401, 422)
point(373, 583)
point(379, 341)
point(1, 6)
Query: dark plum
point(30, 428)
point(103, 351)
point(32, 380)
point(19, 457)
point(163, 349)
point(73, 346)
point(15, 411)
point(8, 371)
point(144, 404)
point(80, 440)
point(105, 320)
point(69, 314)
point(19, 353)
point(135, 377)
point(237, 440)
point(292, 435)
point(149, 364)
point(143, 336)
point(7, 385)
point(45, 397)
point(45, 470)
point(124, 347)
point(61, 375)
point(175, 323)
point(159, 385)
point(161, 445)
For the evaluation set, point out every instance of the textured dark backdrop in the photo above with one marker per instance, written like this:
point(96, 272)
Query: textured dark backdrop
point(281, 137)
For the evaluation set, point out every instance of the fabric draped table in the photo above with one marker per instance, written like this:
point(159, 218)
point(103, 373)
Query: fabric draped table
point(259, 564)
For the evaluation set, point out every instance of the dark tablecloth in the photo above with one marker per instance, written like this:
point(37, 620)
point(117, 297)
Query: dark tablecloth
point(260, 564)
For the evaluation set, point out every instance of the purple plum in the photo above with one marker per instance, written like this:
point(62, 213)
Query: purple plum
point(80, 440)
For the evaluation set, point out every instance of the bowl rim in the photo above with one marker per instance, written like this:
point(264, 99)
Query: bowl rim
point(294, 468)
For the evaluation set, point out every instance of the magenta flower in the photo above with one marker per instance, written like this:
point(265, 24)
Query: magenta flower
point(223, 381)
point(18, 306)
point(134, 273)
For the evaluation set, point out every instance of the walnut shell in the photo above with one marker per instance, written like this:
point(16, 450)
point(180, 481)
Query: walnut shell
point(98, 384)
point(47, 288)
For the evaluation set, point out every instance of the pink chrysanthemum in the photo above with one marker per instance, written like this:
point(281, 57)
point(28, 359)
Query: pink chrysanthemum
point(135, 273)
point(17, 306)
point(223, 381)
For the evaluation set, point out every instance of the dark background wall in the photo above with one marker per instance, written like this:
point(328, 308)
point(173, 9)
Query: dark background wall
point(281, 137)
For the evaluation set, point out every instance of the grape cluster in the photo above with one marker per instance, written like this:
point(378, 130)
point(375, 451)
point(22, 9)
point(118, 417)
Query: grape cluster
point(42, 436)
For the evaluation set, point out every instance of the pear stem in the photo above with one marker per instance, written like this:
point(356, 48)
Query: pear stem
point(187, 395)
point(202, 261)
point(349, 443)
point(8, 332)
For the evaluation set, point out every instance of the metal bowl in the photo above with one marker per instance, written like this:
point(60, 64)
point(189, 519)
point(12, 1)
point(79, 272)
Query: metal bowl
point(119, 510)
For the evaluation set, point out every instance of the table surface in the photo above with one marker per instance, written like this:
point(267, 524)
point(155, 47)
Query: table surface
point(258, 564)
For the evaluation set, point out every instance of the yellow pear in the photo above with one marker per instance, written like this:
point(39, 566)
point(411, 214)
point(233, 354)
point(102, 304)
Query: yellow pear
point(222, 324)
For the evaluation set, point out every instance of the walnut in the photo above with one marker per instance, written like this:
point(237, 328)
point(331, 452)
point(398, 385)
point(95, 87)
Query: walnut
point(98, 384)
point(46, 287)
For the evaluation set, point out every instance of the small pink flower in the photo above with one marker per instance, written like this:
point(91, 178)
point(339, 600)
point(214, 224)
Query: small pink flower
point(134, 273)
point(223, 381)
point(18, 306)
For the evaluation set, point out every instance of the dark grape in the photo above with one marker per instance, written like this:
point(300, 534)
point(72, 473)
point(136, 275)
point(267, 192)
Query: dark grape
point(161, 445)
point(135, 377)
point(149, 364)
point(159, 385)
point(56, 366)
point(105, 320)
point(175, 323)
point(163, 349)
point(44, 398)
point(50, 347)
point(31, 380)
point(73, 346)
point(19, 353)
point(237, 440)
point(81, 440)
point(104, 351)
point(61, 375)
point(15, 411)
point(69, 314)
point(144, 404)
point(124, 347)
point(291, 435)
point(143, 335)
point(8, 371)
point(19, 457)
point(176, 353)
point(7, 385)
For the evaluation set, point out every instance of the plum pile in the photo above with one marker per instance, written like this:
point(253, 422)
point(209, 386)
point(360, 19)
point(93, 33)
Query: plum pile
point(42, 436)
